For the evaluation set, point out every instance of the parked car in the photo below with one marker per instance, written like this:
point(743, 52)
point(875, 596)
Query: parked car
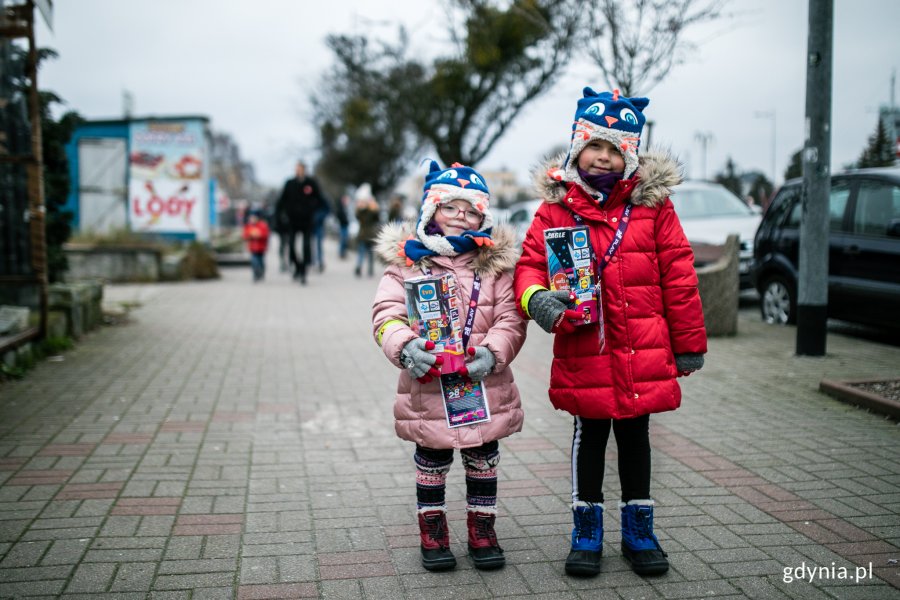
point(709, 212)
point(863, 250)
point(520, 215)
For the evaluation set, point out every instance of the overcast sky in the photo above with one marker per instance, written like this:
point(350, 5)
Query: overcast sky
point(249, 66)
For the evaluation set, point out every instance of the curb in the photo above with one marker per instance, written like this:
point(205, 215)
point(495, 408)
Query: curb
point(843, 391)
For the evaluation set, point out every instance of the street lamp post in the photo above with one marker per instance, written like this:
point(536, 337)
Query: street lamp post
point(770, 114)
point(704, 137)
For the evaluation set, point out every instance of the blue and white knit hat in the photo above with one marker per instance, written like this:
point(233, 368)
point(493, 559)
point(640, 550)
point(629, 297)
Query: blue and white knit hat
point(458, 182)
point(606, 116)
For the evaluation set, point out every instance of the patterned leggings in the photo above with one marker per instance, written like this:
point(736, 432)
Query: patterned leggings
point(432, 466)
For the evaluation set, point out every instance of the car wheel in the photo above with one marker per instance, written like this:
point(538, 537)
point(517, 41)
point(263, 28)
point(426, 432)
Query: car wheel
point(778, 301)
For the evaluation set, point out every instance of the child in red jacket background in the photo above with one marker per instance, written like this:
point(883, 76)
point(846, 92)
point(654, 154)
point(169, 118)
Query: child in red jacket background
point(613, 372)
point(256, 233)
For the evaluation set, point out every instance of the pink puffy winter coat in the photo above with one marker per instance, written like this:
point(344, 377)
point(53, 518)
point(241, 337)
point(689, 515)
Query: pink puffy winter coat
point(418, 409)
point(651, 305)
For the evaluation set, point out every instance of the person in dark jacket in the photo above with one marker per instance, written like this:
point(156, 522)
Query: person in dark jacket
point(300, 200)
point(340, 212)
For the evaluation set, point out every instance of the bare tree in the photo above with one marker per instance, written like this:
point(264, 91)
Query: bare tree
point(508, 53)
point(636, 43)
point(360, 112)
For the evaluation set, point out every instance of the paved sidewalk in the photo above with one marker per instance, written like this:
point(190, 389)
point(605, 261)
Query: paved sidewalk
point(236, 441)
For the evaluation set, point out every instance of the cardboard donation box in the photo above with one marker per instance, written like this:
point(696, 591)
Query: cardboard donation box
point(570, 267)
point(433, 308)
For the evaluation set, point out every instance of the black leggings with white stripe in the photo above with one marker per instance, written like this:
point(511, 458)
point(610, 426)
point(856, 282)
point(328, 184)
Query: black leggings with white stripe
point(589, 457)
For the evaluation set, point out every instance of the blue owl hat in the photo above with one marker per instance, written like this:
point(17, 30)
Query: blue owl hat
point(606, 116)
point(458, 182)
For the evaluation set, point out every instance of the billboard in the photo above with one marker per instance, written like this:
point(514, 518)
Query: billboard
point(168, 190)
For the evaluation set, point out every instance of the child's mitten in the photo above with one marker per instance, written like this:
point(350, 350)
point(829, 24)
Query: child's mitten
point(550, 311)
point(688, 363)
point(418, 361)
point(481, 365)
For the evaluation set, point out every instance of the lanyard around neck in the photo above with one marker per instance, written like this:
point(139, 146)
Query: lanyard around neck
point(473, 306)
point(617, 239)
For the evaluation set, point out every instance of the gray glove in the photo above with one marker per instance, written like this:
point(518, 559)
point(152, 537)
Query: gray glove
point(688, 363)
point(547, 309)
point(482, 364)
point(417, 360)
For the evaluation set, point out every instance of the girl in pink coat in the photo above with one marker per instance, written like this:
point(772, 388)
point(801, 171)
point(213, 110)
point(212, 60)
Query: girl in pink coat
point(455, 234)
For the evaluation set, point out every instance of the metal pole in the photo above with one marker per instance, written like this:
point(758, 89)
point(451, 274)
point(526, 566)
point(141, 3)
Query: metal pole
point(812, 298)
point(704, 139)
point(774, 146)
point(37, 212)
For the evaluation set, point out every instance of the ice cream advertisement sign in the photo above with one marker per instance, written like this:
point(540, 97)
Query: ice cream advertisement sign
point(167, 181)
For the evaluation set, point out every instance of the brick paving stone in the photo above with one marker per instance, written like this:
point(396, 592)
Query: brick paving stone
point(24, 554)
point(83, 491)
point(277, 591)
point(40, 477)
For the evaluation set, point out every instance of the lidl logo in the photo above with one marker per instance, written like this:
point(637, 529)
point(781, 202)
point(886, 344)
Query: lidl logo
point(427, 291)
point(579, 240)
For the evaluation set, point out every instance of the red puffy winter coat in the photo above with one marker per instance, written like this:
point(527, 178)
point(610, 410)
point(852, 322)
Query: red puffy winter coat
point(651, 306)
point(257, 236)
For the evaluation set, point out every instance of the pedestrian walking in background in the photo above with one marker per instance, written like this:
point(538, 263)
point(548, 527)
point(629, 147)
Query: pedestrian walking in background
point(299, 202)
point(453, 236)
point(319, 220)
point(395, 209)
point(617, 370)
point(340, 212)
point(368, 215)
point(282, 226)
point(256, 233)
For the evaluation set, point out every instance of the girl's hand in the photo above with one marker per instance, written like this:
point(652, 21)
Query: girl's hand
point(481, 365)
point(551, 311)
point(421, 364)
point(686, 364)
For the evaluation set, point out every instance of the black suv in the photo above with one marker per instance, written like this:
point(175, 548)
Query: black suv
point(863, 255)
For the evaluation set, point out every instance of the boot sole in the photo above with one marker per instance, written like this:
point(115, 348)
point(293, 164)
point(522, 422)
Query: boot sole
point(653, 568)
point(442, 564)
point(489, 564)
point(582, 569)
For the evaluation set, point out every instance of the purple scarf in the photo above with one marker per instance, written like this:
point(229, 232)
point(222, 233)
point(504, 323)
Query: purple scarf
point(603, 183)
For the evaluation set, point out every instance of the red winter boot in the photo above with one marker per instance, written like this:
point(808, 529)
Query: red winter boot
point(435, 539)
point(486, 553)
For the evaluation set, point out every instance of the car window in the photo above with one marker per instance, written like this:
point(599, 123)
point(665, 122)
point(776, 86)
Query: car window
point(518, 216)
point(796, 210)
point(712, 201)
point(781, 204)
point(837, 205)
point(877, 205)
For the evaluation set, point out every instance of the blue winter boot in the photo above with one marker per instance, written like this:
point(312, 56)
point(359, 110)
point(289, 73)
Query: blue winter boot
point(639, 544)
point(587, 539)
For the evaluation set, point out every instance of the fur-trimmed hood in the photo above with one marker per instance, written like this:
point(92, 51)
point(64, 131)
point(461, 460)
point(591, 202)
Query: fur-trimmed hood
point(658, 172)
point(489, 260)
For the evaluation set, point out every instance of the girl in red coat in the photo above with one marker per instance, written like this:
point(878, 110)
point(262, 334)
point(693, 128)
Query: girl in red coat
point(620, 366)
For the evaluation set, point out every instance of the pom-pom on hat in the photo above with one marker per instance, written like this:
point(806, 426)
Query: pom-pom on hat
point(458, 182)
point(606, 116)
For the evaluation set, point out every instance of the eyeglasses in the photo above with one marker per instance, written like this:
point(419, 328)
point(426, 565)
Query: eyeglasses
point(470, 214)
